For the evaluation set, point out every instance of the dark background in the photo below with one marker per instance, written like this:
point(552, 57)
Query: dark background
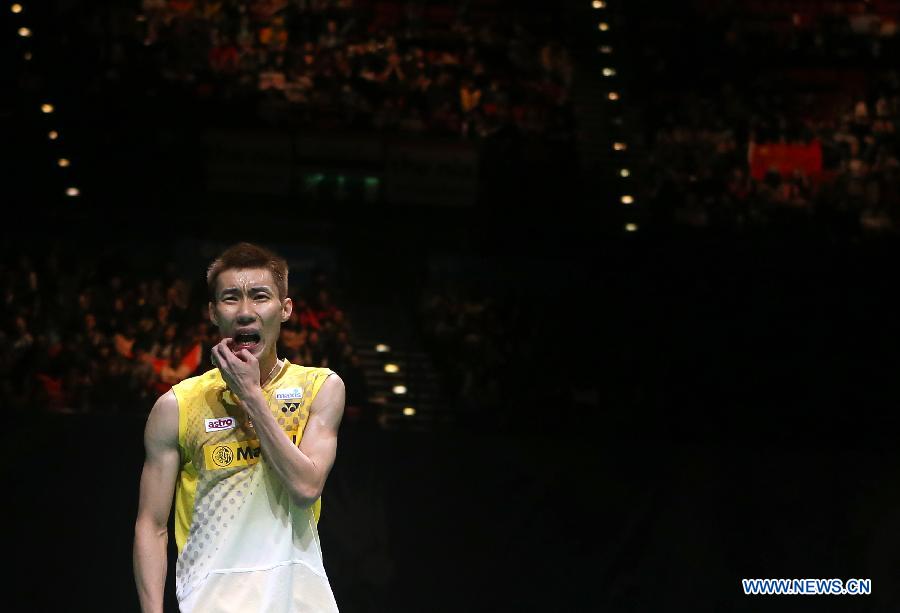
point(741, 387)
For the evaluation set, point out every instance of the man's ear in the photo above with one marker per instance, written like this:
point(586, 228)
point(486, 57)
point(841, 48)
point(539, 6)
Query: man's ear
point(212, 315)
point(287, 307)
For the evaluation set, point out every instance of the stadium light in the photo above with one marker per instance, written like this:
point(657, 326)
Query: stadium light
point(399, 389)
point(382, 348)
point(631, 227)
point(626, 199)
point(46, 108)
point(16, 8)
point(609, 72)
point(598, 4)
point(620, 146)
point(24, 32)
point(409, 411)
point(72, 192)
point(52, 134)
point(391, 368)
point(624, 173)
point(603, 26)
point(613, 95)
point(605, 49)
point(63, 162)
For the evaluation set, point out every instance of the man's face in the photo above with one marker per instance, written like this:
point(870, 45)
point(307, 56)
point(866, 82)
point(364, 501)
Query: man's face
point(248, 310)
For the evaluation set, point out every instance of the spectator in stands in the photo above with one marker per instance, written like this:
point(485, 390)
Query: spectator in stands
point(307, 317)
point(325, 310)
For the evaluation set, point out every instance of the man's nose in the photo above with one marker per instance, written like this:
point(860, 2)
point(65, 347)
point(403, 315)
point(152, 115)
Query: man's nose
point(245, 313)
point(246, 318)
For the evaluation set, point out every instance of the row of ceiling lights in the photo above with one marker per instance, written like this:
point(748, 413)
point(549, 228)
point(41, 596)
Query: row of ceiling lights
point(614, 96)
point(46, 108)
point(393, 368)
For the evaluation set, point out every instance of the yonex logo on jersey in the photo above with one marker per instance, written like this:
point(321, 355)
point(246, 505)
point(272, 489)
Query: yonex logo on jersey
point(289, 393)
point(220, 423)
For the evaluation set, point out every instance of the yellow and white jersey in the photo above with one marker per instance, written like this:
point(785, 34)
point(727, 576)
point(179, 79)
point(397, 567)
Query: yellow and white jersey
point(243, 545)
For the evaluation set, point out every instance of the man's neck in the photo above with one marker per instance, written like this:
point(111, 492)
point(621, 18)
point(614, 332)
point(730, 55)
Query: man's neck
point(267, 369)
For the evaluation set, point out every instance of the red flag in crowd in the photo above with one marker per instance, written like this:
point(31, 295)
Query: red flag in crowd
point(785, 158)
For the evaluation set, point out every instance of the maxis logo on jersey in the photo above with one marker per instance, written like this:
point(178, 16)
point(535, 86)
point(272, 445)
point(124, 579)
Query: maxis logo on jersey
point(289, 393)
point(220, 423)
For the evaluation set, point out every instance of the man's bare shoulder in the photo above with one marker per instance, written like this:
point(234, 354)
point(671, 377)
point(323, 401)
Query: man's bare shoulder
point(332, 382)
point(328, 405)
point(162, 423)
point(167, 403)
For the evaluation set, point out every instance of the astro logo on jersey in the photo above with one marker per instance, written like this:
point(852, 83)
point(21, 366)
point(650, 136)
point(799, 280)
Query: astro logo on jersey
point(289, 393)
point(220, 423)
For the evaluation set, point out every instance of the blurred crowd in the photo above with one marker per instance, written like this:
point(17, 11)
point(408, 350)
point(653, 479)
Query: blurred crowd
point(808, 77)
point(466, 69)
point(87, 335)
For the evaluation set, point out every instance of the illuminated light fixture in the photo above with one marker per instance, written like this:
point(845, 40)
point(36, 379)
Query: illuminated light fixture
point(620, 146)
point(391, 368)
point(624, 173)
point(626, 199)
point(399, 389)
point(63, 162)
point(598, 4)
point(631, 227)
point(52, 134)
point(46, 108)
point(613, 95)
point(609, 72)
point(382, 348)
point(27, 55)
point(607, 49)
point(72, 192)
point(603, 26)
point(16, 8)
point(24, 32)
point(409, 411)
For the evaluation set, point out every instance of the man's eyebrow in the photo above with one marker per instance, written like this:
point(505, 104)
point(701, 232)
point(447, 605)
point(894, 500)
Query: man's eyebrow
point(258, 288)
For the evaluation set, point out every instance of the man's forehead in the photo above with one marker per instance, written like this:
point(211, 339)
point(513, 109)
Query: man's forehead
point(245, 278)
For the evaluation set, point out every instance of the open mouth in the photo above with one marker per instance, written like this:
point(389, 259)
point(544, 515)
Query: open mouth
point(248, 340)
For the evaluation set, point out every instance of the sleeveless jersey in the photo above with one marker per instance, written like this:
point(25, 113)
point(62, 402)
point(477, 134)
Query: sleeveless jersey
point(243, 545)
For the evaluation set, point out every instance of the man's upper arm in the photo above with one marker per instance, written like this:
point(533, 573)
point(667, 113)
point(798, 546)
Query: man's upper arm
point(162, 461)
point(319, 442)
